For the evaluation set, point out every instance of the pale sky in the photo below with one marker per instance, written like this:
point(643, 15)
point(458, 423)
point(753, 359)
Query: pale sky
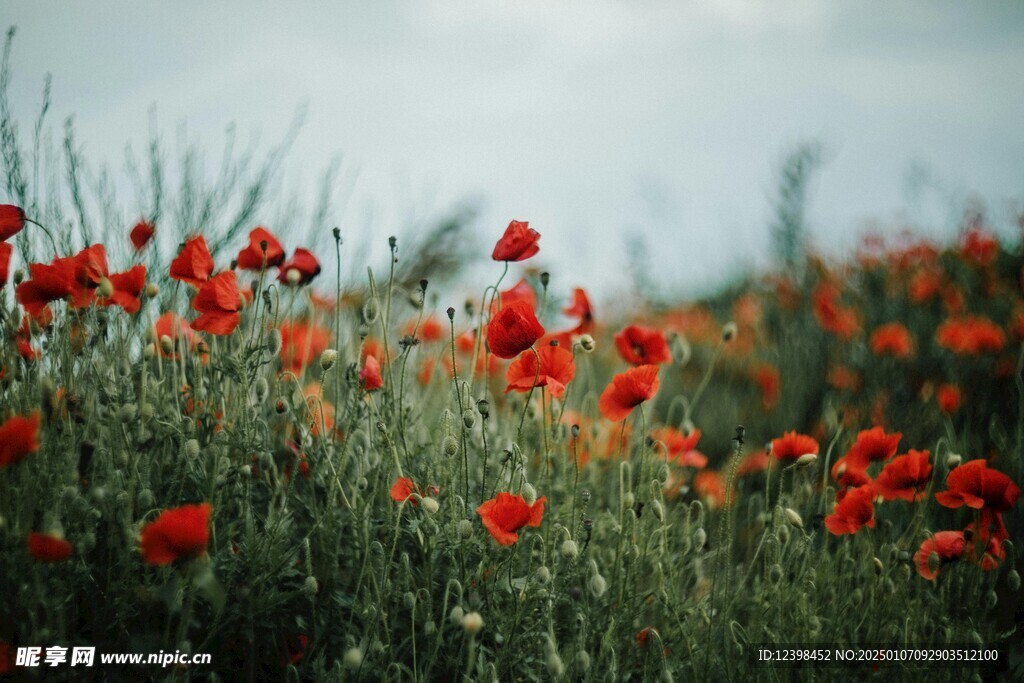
point(597, 121)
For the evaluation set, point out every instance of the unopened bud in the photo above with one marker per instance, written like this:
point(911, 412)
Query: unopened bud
point(192, 448)
point(570, 549)
point(19, 276)
point(468, 418)
point(353, 658)
point(879, 567)
point(371, 309)
point(1013, 580)
point(529, 494)
point(274, 342)
point(597, 585)
point(728, 331)
point(700, 537)
point(105, 289)
point(327, 359)
point(794, 518)
point(658, 509)
point(430, 505)
point(587, 343)
point(806, 460)
point(472, 623)
point(152, 290)
point(166, 345)
point(450, 445)
point(933, 562)
point(294, 276)
point(954, 461)
point(543, 575)
point(465, 528)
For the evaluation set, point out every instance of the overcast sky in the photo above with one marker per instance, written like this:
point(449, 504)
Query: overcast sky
point(597, 121)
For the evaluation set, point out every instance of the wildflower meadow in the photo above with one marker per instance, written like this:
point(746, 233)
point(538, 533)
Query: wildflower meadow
point(216, 439)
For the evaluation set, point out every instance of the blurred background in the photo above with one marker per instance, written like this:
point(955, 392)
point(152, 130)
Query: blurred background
point(637, 137)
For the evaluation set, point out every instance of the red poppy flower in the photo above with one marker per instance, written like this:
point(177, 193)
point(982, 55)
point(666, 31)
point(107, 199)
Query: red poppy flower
point(194, 264)
point(978, 486)
point(513, 330)
point(790, 446)
point(849, 473)
point(948, 398)
point(709, 486)
point(892, 339)
point(370, 375)
point(429, 330)
point(905, 477)
point(219, 302)
point(757, 461)
point(178, 533)
point(971, 335)
point(127, 289)
point(517, 244)
point(557, 369)
point(5, 262)
point(18, 438)
point(520, 291)
point(506, 514)
point(855, 510)
point(769, 379)
point(948, 545)
point(681, 448)
point(642, 346)
point(46, 284)
point(979, 246)
point(12, 220)
point(302, 262)
point(176, 329)
point(841, 321)
point(924, 285)
point(628, 390)
point(873, 445)
point(48, 548)
point(301, 344)
point(580, 308)
point(844, 379)
point(403, 489)
point(141, 234)
point(251, 258)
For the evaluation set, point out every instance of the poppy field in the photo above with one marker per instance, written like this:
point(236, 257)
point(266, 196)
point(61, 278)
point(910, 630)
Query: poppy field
point(209, 445)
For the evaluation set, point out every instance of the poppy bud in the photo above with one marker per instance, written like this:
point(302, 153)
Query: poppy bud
point(582, 660)
point(879, 568)
point(148, 351)
point(991, 599)
point(371, 309)
point(327, 359)
point(570, 550)
point(472, 623)
point(128, 412)
point(152, 290)
point(933, 562)
point(192, 448)
point(19, 276)
point(274, 342)
point(337, 234)
point(554, 664)
point(543, 575)
point(658, 509)
point(587, 343)
point(529, 494)
point(681, 350)
point(700, 537)
point(793, 517)
point(728, 331)
point(353, 658)
point(628, 500)
point(465, 528)
point(597, 585)
point(468, 418)
point(1013, 580)
point(166, 345)
point(310, 586)
point(954, 461)
point(262, 389)
point(806, 460)
point(451, 313)
point(450, 445)
point(105, 289)
point(362, 483)
point(429, 505)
